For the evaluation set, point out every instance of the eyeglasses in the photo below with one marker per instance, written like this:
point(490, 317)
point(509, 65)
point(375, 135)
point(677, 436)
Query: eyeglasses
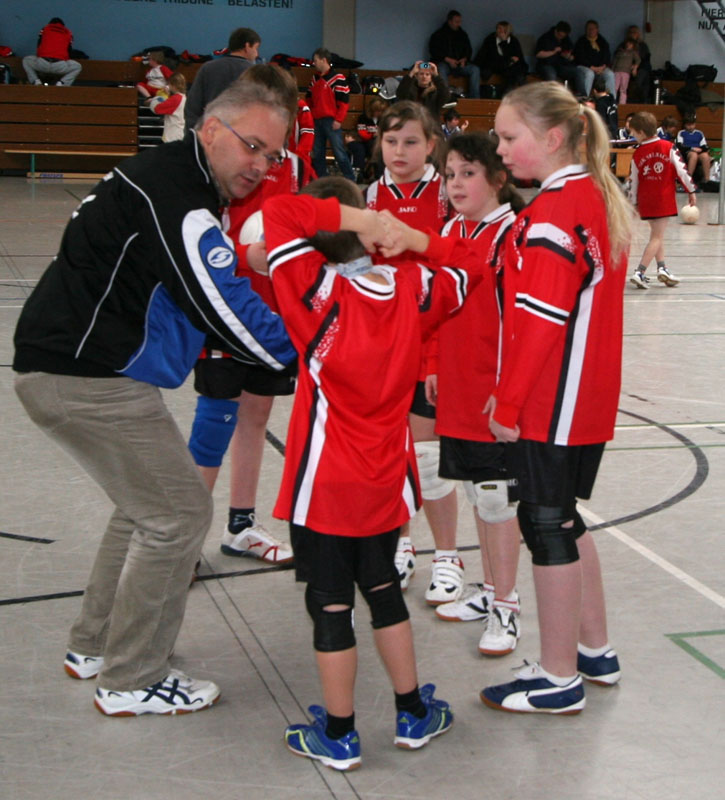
point(273, 159)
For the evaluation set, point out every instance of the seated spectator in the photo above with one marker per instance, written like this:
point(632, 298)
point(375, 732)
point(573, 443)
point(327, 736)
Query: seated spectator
point(668, 129)
point(625, 65)
point(605, 105)
point(501, 54)
point(53, 56)
point(452, 124)
point(593, 57)
point(640, 86)
point(625, 133)
point(156, 76)
point(362, 146)
point(424, 85)
point(554, 56)
point(451, 50)
point(171, 107)
point(692, 144)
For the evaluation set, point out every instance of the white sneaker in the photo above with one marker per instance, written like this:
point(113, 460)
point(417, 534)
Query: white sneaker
point(502, 631)
point(82, 667)
point(474, 603)
point(177, 693)
point(257, 542)
point(639, 279)
point(666, 277)
point(405, 561)
point(446, 580)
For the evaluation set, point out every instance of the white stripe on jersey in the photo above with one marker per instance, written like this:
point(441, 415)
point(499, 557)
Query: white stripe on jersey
point(541, 309)
point(284, 252)
point(550, 233)
point(316, 445)
point(574, 366)
point(461, 278)
point(408, 489)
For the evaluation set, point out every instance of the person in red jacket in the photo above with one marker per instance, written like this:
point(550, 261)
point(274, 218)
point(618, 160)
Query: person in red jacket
point(53, 56)
point(328, 96)
point(558, 388)
point(302, 137)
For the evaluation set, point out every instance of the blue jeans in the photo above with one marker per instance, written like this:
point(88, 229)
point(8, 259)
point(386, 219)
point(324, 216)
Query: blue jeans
point(324, 132)
point(586, 76)
point(470, 71)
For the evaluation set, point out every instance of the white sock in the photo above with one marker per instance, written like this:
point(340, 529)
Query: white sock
point(405, 543)
point(445, 554)
point(557, 680)
point(592, 652)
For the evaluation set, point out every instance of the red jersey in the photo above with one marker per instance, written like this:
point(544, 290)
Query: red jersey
point(302, 137)
point(55, 42)
point(350, 463)
point(469, 343)
point(562, 334)
point(656, 164)
point(329, 96)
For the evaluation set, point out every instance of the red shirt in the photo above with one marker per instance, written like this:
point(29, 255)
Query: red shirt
point(656, 165)
point(55, 42)
point(469, 342)
point(329, 96)
point(562, 334)
point(350, 463)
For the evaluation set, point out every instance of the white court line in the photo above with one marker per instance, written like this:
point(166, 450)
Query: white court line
point(705, 591)
point(674, 425)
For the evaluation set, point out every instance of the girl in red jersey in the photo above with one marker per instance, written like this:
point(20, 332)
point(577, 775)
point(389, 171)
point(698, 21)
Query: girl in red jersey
point(557, 394)
point(656, 164)
point(414, 192)
point(466, 371)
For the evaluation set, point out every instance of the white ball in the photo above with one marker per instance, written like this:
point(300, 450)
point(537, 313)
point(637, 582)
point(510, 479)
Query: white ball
point(690, 214)
point(253, 229)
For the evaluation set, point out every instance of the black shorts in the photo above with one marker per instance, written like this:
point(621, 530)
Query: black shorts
point(555, 475)
point(227, 378)
point(466, 460)
point(333, 564)
point(420, 405)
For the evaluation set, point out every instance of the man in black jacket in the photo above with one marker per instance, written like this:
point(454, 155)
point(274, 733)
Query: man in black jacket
point(144, 273)
point(451, 50)
point(501, 54)
point(593, 57)
point(555, 57)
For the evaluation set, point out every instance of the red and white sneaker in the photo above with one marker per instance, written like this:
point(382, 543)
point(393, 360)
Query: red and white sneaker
point(256, 541)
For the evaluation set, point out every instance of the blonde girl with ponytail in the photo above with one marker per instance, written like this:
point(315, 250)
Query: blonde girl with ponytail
point(556, 397)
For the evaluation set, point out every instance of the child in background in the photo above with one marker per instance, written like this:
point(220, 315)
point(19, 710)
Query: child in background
point(694, 148)
point(668, 129)
point(479, 190)
point(624, 66)
point(172, 108)
point(349, 475)
point(605, 105)
point(157, 76)
point(558, 390)
point(452, 123)
point(361, 148)
point(656, 165)
point(413, 191)
point(625, 133)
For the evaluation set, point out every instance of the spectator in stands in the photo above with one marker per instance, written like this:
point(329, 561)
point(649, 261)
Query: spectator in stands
point(668, 129)
point(424, 85)
point(555, 57)
point(216, 75)
point(501, 54)
point(156, 77)
point(329, 97)
point(692, 143)
point(593, 57)
point(625, 133)
point(640, 90)
point(452, 124)
point(171, 108)
point(625, 65)
point(53, 56)
point(605, 105)
point(362, 146)
point(451, 50)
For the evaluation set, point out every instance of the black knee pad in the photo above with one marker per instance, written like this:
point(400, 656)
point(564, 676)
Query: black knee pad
point(387, 606)
point(549, 543)
point(333, 630)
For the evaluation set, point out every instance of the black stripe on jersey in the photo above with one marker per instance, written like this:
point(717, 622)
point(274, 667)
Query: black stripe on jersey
point(547, 244)
point(419, 189)
point(330, 317)
point(525, 301)
point(410, 477)
point(285, 251)
point(305, 456)
point(314, 288)
point(395, 191)
point(568, 341)
point(425, 305)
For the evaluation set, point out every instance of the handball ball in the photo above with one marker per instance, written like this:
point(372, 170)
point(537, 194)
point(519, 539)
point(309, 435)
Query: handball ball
point(253, 229)
point(690, 214)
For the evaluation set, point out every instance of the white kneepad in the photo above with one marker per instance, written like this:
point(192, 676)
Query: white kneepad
point(432, 487)
point(491, 499)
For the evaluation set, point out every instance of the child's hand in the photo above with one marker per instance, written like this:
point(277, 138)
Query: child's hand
point(257, 257)
point(464, 125)
point(691, 199)
point(502, 434)
point(431, 389)
point(400, 237)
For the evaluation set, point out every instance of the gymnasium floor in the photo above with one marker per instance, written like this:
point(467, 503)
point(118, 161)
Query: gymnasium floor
point(659, 509)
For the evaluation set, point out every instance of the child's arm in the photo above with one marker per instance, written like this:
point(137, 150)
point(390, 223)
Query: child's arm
point(682, 174)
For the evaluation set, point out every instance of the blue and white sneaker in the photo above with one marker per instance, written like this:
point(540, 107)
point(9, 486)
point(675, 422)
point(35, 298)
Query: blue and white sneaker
point(311, 741)
point(602, 670)
point(82, 667)
point(533, 692)
point(412, 733)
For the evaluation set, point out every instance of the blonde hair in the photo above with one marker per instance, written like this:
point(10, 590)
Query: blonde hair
point(177, 82)
point(548, 104)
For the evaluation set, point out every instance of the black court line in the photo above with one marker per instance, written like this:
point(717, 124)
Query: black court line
point(36, 539)
point(702, 469)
